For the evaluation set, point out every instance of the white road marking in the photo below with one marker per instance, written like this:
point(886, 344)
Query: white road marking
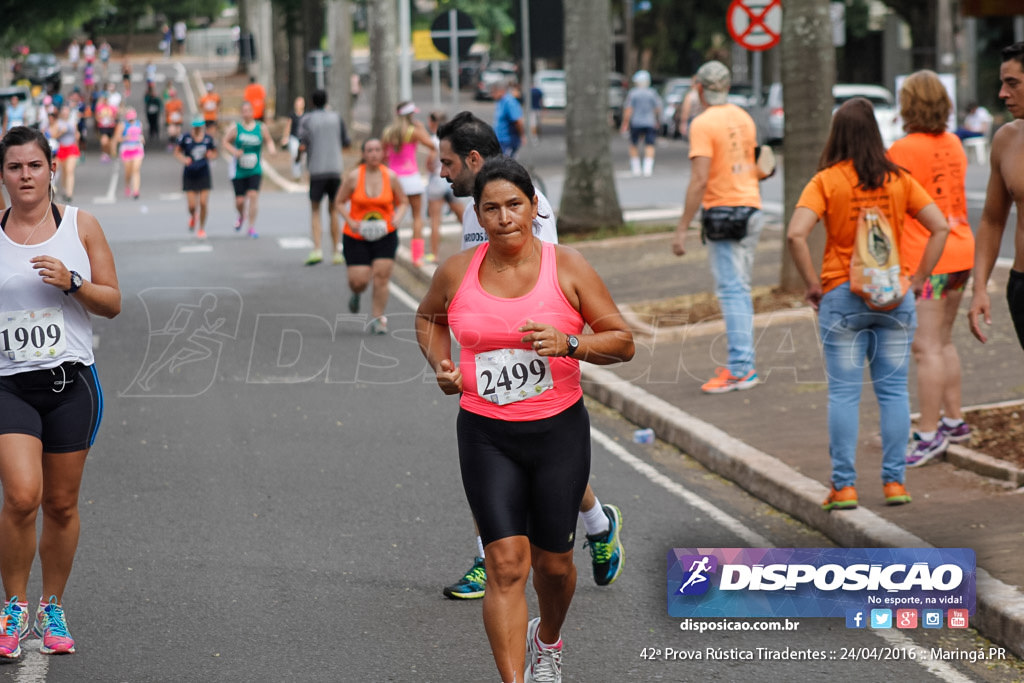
point(295, 242)
point(195, 248)
point(108, 198)
point(33, 665)
point(752, 538)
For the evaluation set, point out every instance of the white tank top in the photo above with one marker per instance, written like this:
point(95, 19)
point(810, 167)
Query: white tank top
point(22, 289)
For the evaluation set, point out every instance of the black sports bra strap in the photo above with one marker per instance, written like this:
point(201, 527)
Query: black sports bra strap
point(53, 207)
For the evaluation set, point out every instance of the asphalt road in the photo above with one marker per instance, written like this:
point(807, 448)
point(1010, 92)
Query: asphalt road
point(275, 494)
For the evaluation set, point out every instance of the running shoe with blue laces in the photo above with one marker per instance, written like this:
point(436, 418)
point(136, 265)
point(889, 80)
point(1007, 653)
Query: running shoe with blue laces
point(606, 551)
point(13, 628)
point(472, 585)
point(52, 627)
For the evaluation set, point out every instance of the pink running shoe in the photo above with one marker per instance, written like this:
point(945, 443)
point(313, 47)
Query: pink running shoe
point(13, 628)
point(52, 627)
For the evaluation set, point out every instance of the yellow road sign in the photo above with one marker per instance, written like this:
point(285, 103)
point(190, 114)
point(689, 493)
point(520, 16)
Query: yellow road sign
point(423, 47)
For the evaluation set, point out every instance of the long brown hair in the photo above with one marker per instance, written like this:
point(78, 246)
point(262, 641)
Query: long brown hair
point(854, 136)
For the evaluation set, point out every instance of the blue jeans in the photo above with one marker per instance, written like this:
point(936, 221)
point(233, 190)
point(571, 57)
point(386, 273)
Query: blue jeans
point(731, 262)
point(853, 336)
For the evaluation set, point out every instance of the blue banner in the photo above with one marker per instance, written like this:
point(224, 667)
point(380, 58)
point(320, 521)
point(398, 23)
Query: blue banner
point(817, 582)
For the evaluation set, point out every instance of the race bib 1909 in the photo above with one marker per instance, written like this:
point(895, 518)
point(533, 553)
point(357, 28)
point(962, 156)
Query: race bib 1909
point(509, 375)
point(29, 335)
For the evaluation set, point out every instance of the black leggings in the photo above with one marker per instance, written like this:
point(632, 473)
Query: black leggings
point(1015, 299)
point(526, 478)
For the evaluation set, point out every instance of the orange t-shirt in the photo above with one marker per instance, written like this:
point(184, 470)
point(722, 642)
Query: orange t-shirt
point(939, 163)
point(727, 135)
point(174, 111)
point(835, 197)
point(256, 95)
point(210, 104)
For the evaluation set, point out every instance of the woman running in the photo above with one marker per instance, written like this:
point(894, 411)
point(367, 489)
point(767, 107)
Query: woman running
point(64, 130)
point(376, 204)
point(59, 270)
point(132, 145)
point(518, 307)
point(400, 140)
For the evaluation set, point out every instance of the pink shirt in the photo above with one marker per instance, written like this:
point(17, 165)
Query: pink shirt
point(403, 160)
point(482, 322)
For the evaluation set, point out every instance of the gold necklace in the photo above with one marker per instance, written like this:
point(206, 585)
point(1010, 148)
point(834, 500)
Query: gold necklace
point(33, 232)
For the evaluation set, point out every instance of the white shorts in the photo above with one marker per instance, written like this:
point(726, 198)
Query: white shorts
point(412, 184)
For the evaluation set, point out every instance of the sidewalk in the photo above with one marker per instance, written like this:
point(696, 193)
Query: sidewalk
point(773, 440)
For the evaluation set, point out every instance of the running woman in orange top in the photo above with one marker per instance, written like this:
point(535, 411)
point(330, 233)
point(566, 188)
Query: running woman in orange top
point(376, 204)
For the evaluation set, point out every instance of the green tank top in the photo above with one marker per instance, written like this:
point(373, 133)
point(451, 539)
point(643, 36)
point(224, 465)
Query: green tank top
point(251, 144)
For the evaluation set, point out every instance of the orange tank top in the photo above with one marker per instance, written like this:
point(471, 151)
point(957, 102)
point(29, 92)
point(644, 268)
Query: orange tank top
point(363, 206)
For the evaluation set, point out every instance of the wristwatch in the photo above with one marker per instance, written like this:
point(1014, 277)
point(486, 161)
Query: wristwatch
point(573, 344)
point(76, 283)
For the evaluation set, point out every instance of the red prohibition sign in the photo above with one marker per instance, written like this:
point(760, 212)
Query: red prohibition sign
point(755, 24)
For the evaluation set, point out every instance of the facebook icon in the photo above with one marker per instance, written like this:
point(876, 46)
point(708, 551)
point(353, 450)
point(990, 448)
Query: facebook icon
point(855, 618)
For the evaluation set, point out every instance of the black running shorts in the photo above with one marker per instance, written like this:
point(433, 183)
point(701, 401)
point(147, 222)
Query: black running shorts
point(362, 253)
point(526, 478)
point(61, 407)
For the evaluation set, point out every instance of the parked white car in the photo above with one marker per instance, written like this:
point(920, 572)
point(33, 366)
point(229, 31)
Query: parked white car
point(552, 88)
point(886, 110)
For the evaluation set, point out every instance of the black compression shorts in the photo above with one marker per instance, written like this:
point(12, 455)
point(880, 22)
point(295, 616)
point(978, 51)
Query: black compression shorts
point(526, 478)
point(61, 407)
point(362, 253)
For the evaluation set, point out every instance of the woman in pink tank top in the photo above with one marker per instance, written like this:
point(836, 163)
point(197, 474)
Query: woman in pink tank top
point(518, 308)
point(401, 140)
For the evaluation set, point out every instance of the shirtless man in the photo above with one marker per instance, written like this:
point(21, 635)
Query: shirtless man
point(1005, 183)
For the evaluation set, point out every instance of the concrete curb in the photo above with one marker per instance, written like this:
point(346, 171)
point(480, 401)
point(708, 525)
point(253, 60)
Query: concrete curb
point(1000, 607)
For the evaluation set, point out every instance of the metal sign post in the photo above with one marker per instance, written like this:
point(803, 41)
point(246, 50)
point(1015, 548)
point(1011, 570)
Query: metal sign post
point(453, 33)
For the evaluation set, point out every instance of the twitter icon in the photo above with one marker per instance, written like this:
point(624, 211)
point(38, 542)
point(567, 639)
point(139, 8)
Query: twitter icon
point(881, 618)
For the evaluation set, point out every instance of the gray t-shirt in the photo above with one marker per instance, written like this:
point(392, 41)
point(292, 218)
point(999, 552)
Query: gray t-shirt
point(323, 132)
point(645, 104)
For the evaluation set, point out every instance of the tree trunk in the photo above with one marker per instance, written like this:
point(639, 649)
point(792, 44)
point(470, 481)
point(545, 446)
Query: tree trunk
point(807, 86)
point(243, 26)
point(383, 27)
point(313, 23)
point(339, 38)
point(283, 83)
point(589, 197)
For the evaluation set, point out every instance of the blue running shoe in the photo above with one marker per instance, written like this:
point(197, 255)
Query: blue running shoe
point(13, 628)
point(472, 584)
point(606, 551)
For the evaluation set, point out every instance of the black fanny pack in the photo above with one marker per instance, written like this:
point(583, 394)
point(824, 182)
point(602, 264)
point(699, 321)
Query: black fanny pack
point(726, 222)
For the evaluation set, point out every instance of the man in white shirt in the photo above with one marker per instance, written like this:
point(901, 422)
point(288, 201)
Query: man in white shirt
point(977, 122)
